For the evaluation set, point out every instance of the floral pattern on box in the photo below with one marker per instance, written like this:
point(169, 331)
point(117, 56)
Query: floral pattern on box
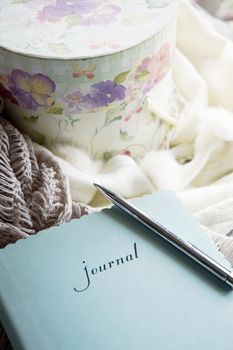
point(118, 99)
point(36, 91)
point(84, 13)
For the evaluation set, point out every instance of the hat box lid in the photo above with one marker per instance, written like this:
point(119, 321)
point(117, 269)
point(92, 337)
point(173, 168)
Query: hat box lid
point(72, 29)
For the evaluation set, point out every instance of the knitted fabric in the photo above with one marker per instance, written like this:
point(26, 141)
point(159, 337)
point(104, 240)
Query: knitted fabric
point(34, 192)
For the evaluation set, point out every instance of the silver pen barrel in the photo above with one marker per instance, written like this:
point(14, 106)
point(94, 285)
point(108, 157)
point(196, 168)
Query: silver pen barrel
point(186, 247)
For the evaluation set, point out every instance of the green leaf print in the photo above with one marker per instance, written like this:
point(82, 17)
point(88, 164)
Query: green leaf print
point(111, 115)
point(59, 48)
point(73, 20)
point(108, 155)
point(55, 110)
point(74, 121)
point(38, 137)
point(32, 119)
point(141, 76)
point(120, 78)
point(124, 136)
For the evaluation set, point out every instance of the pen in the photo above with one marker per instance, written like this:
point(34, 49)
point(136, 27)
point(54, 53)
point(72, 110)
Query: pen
point(188, 248)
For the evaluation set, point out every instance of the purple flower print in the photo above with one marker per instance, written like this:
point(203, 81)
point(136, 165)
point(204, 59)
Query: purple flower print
point(102, 17)
point(152, 69)
point(102, 94)
point(92, 12)
point(112, 90)
point(72, 101)
point(81, 7)
point(63, 8)
point(53, 13)
point(94, 102)
point(7, 94)
point(144, 65)
point(31, 91)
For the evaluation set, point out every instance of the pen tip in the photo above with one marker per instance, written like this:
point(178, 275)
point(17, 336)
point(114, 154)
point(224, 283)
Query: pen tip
point(104, 190)
point(99, 187)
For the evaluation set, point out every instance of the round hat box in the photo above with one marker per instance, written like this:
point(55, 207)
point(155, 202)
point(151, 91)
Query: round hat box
point(78, 71)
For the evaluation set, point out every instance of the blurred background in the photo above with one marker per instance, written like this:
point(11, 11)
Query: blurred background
point(220, 12)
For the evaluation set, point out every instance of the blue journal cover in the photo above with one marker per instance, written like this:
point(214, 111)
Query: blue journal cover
point(105, 282)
